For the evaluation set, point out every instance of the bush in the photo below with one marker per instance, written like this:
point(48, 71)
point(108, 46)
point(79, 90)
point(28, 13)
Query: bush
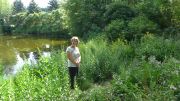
point(122, 54)
point(158, 11)
point(148, 81)
point(119, 11)
point(140, 25)
point(116, 29)
point(156, 46)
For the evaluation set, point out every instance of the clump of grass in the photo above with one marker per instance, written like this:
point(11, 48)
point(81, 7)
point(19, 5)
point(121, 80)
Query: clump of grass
point(156, 46)
point(148, 81)
point(101, 60)
point(48, 80)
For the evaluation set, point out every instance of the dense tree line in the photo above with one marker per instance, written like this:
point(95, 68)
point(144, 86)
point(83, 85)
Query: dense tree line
point(18, 9)
point(127, 19)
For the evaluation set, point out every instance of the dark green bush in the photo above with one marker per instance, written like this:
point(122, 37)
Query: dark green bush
point(140, 25)
point(158, 11)
point(156, 46)
point(117, 10)
point(116, 29)
point(148, 81)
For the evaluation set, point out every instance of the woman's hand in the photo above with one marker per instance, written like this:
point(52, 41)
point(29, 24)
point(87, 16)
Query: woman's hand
point(77, 62)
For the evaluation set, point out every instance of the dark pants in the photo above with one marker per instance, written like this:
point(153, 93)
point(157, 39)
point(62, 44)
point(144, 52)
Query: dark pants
point(73, 71)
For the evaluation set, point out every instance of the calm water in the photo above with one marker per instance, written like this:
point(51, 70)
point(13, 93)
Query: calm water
point(16, 51)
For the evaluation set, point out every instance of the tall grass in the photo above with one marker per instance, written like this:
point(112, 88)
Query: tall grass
point(48, 80)
point(101, 60)
point(157, 46)
point(139, 71)
point(148, 81)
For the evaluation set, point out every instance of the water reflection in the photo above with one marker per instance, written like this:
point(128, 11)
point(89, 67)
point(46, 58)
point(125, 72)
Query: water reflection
point(46, 54)
point(16, 51)
point(18, 66)
point(31, 59)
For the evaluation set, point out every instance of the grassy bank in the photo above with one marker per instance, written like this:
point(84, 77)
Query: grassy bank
point(136, 71)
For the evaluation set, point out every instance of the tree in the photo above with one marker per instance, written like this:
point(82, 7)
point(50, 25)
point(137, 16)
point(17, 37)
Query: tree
point(33, 7)
point(18, 7)
point(53, 5)
point(4, 8)
point(85, 16)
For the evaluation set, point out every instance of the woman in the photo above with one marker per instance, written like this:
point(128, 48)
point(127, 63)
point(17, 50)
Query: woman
point(74, 58)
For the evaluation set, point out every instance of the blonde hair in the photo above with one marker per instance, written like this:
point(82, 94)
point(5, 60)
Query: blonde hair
point(75, 38)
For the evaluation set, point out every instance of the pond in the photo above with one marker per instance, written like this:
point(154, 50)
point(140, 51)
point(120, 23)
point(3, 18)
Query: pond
point(15, 51)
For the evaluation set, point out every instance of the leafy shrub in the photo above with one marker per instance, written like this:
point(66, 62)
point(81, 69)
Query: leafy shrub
point(119, 11)
point(177, 49)
point(116, 29)
point(83, 82)
point(121, 53)
point(156, 46)
point(158, 11)
point(148, 81)
point(140, 25)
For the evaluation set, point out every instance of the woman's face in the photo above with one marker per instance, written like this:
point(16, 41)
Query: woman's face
point(74, 42)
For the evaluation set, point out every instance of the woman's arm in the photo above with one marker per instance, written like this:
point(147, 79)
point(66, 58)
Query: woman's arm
point(69, 56)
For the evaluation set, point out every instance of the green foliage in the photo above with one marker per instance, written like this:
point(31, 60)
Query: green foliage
point(98, 93)
point(48, 80)
point(176, 12)
point(53, 5)
point(33, 7)
point(144, 70)
point(83, 15)
point(39, 23)
point(174, 28)
point(158, 47)
point(88, 18)
point(134, 75)
point(18, 7)
point(84, 83)
point(119, 11)
point(17, 20)
point(1, 69)
point(122, 53)
point(141, 25)
point(148, 81)
point(4, 8)
point(158, 11)
point(116, 29)
point(100, 61)
point(93, 62)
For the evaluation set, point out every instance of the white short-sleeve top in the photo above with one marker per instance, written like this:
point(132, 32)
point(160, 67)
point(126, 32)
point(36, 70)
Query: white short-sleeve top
point(75, 55)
